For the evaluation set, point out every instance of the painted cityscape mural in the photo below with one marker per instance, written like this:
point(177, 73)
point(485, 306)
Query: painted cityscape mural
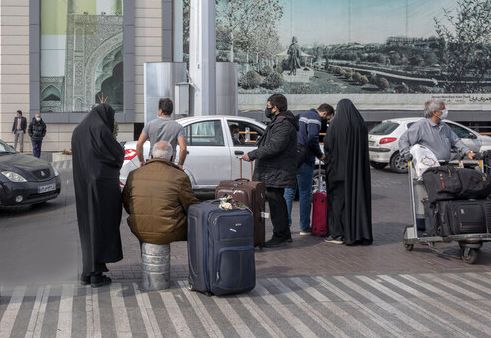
point(437, 47)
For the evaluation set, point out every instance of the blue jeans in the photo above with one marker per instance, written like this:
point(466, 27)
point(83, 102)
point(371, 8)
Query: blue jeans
point(36, 148)
point(304, 183)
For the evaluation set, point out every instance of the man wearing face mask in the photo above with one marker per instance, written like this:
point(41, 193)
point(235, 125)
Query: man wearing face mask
point(37, 131)
point(434, 134)
point(309, 123)
point(274, 165)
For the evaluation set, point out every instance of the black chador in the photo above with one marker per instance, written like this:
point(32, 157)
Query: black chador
point(97, 159)
point(348, 176)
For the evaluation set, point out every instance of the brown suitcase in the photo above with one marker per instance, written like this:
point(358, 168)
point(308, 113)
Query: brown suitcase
point(253, 195)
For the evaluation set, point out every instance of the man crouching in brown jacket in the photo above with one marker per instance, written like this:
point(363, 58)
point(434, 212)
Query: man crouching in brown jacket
point(156, 197)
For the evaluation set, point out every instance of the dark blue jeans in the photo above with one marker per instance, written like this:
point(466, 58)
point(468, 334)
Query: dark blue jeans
point(36, 148)
point(304, 182)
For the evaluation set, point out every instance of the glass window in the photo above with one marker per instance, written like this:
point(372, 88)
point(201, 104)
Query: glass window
point(460, 132)
point(244, 133)
point(206, 133)
point(5, 148)
point(384, 128)
point(81, 54)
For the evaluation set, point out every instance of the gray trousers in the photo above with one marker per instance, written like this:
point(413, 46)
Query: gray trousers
point(19, 138)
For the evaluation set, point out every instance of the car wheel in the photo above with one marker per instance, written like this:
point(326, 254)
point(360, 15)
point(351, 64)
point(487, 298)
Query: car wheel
point(378, 165)
point(398, 164)
point(319, 178)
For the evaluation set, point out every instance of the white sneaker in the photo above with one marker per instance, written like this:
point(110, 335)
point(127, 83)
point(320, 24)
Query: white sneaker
point(305, 233)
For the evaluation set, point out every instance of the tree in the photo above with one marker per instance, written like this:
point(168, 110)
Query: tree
point(249, 24)
point(466, 38)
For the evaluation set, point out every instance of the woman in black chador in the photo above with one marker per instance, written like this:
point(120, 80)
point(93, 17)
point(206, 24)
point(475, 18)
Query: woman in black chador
point(97, 159)
point(348, 177)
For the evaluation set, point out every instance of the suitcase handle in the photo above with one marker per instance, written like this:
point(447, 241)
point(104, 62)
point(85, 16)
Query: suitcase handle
point(241, 176)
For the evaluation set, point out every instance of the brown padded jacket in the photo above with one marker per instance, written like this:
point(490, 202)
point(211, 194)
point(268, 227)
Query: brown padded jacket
point(156, 197)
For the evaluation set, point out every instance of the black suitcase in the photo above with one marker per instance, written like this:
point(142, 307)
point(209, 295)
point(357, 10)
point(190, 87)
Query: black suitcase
point(220, 249)
point(463, 217)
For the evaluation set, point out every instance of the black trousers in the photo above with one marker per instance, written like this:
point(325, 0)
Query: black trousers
point(279, 212)
point(335, 210)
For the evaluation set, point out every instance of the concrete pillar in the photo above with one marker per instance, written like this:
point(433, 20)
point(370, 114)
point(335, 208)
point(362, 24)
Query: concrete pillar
point(202, 58)
point(155, 266)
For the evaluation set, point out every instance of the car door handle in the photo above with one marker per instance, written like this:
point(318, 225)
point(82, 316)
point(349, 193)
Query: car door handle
point(238, 152)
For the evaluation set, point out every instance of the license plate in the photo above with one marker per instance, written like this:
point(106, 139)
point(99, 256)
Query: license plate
point(46, 188)
point(371, 143)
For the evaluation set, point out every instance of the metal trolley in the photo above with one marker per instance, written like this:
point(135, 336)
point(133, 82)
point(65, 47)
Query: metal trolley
point(469, 243)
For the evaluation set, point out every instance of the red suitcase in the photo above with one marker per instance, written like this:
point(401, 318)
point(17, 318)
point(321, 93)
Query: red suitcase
point(319, 211)
point(253, 195)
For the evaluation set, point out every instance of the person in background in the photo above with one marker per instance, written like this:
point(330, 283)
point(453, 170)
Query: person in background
point(275, 166)
point(309, 123)
point(97, 160)
point(19, 130)
point(348, 177)
point(237, 137)
point(37, 131)
point(164, 128)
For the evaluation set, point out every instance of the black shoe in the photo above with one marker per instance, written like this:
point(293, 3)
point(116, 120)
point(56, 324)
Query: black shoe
point(97, 281)
point(289, 239)
point(85, 280)
point(275, 242)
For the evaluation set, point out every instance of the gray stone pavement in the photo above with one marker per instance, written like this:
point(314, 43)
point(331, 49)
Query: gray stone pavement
point(308, 288)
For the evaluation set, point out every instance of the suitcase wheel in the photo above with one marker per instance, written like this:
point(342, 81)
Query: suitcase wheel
point(469, 255)
point(408, 247)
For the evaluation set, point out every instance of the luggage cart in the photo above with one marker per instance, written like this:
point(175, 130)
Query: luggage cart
point(469, 243)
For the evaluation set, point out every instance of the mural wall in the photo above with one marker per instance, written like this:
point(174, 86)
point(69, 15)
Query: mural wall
point(362, 48)
point(81, 54)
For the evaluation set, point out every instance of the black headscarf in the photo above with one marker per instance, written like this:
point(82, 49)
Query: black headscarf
point(97, 159)
point(346, 146)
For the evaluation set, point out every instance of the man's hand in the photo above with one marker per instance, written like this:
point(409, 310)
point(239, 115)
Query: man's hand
point(245, 157)
point(470, 155)
point(323, 158)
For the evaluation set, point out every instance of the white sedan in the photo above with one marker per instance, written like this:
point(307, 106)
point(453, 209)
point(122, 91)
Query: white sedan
point(383, 141)
point(212, 152)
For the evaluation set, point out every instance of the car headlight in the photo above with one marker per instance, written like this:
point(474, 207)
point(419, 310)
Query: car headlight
point(13, 176)
point(56, 172)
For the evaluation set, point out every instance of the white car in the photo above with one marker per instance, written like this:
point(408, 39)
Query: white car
point(212, 152)
point(383, 141)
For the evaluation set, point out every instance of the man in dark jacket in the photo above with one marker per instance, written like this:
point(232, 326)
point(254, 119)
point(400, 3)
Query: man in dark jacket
point(310, 123)
point(37, 131)
point(275, 164)
point(19, 130)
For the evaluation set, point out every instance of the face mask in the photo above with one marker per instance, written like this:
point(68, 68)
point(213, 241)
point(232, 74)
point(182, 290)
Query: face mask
point(268, 112)
point(38, 119)
point(444, 114)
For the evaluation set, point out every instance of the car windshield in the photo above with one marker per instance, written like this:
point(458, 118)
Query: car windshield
point(6, 149)
point(384, 128)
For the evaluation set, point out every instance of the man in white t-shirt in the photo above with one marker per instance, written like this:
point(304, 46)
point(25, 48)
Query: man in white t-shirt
point(164, 128)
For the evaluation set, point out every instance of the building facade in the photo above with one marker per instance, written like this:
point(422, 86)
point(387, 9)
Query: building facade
point(62, 57)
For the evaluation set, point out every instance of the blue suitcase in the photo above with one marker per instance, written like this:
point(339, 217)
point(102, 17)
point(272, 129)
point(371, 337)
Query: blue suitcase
point(220, 249)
